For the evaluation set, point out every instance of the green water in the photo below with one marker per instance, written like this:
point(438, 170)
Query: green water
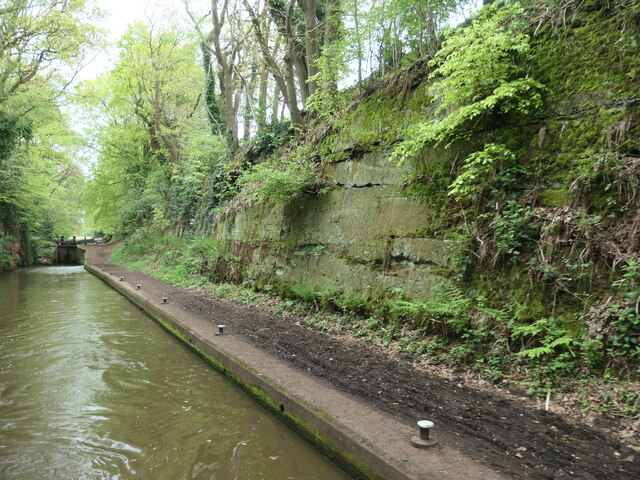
point(91, 388)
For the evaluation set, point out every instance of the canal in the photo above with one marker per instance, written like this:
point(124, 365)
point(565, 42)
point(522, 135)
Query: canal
point(92, 388)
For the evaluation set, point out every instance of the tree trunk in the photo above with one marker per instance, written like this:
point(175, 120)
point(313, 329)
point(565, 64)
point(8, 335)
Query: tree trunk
point(332, 23)
point(312, 51)
point(285, 80)
point(230, 109)
point(262, 98)
point(302, 73)
point(290, 88)
point(275, 103)
point(356, 21)
point(248, 107)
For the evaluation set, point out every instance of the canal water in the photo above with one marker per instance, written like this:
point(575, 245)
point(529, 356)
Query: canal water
point(91, 388)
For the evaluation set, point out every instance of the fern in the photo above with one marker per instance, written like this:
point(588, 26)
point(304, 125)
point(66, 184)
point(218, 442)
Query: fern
point(565, 340)
point(545, 332)
point(451, 308)
point(535, 352)
point(494, 314)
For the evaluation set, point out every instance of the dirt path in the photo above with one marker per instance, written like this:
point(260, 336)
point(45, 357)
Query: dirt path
point(501, 433)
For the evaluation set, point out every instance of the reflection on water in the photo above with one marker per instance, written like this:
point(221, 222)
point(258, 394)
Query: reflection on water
point(91, 388)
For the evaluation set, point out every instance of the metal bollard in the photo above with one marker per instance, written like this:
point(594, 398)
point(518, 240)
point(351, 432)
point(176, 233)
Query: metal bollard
point(423, 441)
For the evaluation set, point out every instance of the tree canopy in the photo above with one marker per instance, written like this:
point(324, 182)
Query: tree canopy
point(156, 153)
point(42, 45)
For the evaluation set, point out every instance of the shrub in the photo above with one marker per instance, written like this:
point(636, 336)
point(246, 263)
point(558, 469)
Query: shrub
point(481, 70)
point(271, 137)
point(281, 181)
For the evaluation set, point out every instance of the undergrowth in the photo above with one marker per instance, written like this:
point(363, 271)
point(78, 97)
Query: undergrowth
point(8, 257)
point(453, 329)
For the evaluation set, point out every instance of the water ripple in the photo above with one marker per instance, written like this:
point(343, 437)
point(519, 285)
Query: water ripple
point(91, 388)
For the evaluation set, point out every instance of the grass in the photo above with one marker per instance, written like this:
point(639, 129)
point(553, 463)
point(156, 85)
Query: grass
point(451, 334)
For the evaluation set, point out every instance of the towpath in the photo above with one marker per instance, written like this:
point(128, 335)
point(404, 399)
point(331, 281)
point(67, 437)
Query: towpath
point(376, 400)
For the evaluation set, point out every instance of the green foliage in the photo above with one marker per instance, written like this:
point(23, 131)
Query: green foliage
point(192, 186)
point(202, 256)
point(601, 53)
point(187, 260)
point(447, 315)
point(620, 331)
point(379, 119)
point(271, 137)
point(327, 102)
point(478, 61)
point(548, 374)
point(399, 31)
point(279, 180)
point(39, 37)
point(215, 112)
point(8, 257)
point(38, 179)
point(157, 156)
point(479, 171)
point(542, 337)
point(481, 72)
point(12, 131)
point(513, 229)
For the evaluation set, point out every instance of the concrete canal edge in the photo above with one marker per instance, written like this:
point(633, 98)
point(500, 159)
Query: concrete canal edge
point(338, 444)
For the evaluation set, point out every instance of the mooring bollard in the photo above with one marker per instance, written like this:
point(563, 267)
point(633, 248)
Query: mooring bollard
point(220, 329)
point(122, 279)
point(138, 287)
point(423, 441)
point(164, 299)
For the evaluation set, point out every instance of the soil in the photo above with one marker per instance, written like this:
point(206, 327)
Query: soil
point(498, 431)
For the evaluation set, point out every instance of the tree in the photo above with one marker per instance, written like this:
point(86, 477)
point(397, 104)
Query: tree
point(157, 76)
point(212, 100)
point(40, 36)
point(150, 110)
point(384, 32)
point(284, 77)
point(39, 42)
point(225, 42)
point(36, 168)
point(311, 42)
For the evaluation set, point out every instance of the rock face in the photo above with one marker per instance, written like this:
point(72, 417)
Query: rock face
point(363, 234)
